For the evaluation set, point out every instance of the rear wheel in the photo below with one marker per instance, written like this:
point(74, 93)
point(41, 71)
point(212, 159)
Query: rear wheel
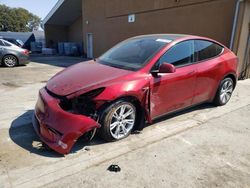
point(118, 120)
point(9, 61)
point(224, 92)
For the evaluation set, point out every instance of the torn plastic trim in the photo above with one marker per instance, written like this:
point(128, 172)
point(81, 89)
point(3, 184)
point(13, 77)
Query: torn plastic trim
point(83, 104)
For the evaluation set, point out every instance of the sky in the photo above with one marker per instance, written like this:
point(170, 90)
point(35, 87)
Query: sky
point(38, 7)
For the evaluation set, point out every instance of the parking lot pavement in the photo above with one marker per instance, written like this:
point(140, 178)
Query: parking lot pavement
point(39, 71)
point(213, 154)
point(21, 84)
point(205, 146)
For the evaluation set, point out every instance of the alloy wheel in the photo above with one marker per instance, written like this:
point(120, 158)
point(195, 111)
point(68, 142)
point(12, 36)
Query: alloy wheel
point(10, 61)
point(226, 91)
point(123, 120)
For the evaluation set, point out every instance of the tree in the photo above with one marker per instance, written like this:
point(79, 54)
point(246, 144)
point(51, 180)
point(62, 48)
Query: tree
point(18, 20)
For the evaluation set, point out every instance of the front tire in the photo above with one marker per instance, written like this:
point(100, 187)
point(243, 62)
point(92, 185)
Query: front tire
point(224, 92)
point(118, 120)
point(10, 61)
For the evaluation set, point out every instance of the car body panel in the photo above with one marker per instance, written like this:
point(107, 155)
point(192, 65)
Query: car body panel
point(157, 94)
point(137, 86)
point(210, 72)
point(85, 75)
point(167, 91)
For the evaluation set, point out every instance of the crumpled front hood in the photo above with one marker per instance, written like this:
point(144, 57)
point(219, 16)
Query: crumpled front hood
point(83, 76)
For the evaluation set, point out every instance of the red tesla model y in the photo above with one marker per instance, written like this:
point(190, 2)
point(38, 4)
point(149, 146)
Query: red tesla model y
point(137, 81)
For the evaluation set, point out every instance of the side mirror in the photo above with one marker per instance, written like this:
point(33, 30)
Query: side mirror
point(167, 68)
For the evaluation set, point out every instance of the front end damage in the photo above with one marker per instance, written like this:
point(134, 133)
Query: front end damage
point(59, 121)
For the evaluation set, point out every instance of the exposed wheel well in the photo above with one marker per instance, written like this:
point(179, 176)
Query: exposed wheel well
point(132, 99)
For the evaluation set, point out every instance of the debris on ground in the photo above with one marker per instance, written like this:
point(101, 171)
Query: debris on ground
point(87, 148)
point(136, 132)
point(45, 147)
point(114, 168)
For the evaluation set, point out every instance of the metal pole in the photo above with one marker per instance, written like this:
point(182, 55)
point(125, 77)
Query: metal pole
point(235, 22)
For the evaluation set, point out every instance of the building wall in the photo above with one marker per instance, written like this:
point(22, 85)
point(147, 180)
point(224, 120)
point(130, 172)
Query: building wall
point(58, 33)
point(55, 34)
point(75, 31)
point(108, 21)
point(242, 38)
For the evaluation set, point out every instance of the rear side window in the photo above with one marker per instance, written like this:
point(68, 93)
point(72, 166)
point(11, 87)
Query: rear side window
point(6, 44)
point(206, 50)
point(1, 43)
point(179, 55)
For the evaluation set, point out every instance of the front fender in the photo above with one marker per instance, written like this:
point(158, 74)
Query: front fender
point(138, 89)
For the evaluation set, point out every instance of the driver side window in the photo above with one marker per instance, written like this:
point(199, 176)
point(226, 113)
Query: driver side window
point(179, 55)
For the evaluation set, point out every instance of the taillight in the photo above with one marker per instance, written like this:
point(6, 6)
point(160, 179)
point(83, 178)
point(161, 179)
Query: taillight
point(26, 52)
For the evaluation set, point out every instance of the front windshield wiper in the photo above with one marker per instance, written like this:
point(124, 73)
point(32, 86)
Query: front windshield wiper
point(119, 66)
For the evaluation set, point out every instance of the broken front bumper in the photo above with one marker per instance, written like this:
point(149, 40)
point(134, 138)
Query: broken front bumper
point(57, 128)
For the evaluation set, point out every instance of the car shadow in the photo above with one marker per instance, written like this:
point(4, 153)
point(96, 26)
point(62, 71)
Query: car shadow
point(176, 114)
point(22, 133)
point(54, 60)
point(17, 66)
point(185, 111)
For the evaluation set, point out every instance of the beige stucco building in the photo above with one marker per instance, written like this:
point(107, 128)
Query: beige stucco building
point(100, 24)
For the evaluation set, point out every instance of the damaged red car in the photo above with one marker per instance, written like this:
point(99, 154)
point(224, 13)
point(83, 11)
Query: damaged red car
point(137, 81)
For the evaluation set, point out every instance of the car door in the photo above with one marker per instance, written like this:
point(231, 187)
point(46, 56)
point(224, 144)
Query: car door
point(209, 64)
point(173, 91)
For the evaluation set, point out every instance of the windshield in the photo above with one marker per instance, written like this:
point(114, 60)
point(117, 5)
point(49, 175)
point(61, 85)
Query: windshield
point(132, 54)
